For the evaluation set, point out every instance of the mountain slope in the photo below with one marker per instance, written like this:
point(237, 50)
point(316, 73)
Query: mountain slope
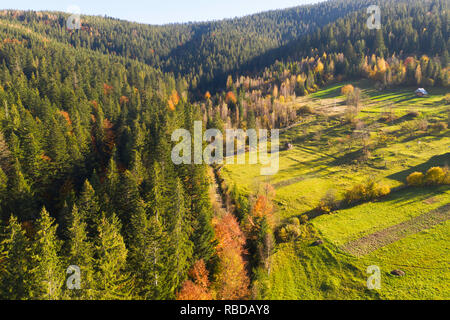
point(198, 50)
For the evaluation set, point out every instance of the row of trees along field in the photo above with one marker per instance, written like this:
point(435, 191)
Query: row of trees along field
point(409, 50)
point(265, 101)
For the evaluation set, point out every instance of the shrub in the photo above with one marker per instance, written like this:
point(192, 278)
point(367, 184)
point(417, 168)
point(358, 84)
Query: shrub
point(323, 208)
point(365, 192)
point(435, 176)
point(357, 193)
point(447, 177)
point(293, 231)
point(290, 231)
point(282, 235)
point(413, 114)
point(305, 110)
point(304, 219)
point(415, 179)
point(447, 98)
point(383, 139)
point(414, 127)
point(439, 126)
point(422, 124)
point(374, 190)
point(384, 191)
point(328, 203)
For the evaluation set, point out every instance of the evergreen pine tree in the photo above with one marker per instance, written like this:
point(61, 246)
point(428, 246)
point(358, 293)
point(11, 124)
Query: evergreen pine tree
point(89, 208)
point(181, 248)
point(80, 253)
point(148, 245)
point(14, 272)
point(111, 279)
point(47, 272)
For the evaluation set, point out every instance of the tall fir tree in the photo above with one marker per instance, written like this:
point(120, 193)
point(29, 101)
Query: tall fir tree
point(112, 280)
point(147, 256)
point(181, 248)
point(80, 253)
point(47, 271)
point(89, 208)
point(16, 261)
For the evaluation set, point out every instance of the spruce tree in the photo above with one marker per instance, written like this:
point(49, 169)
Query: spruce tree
point(89, 208)
point(157, 192)
point(14, 272)
point(126, 198)
point(80, 253)
point(204, 240)
point(112, 281)
point(47, 271)
point(181, 248)
point(148, 247)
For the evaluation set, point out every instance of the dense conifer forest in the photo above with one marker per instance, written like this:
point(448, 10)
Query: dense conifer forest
point(86, 118)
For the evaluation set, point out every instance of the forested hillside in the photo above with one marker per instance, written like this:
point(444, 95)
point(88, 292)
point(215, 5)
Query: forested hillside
point(86, 118)
point(411, 49)
point(85, 142)
point(204, 52)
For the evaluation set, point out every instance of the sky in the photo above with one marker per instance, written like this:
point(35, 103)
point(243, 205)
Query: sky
point(158, 11)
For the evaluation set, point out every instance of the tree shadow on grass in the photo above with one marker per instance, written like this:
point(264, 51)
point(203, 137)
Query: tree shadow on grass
point(418, 194)
point(398, 197)
point(407, 98)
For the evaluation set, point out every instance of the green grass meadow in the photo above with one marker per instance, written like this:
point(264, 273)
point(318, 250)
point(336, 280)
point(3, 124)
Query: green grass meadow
point(324, 158)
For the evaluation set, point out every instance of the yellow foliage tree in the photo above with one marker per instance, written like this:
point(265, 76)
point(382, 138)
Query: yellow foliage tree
point(415, 179)
point(319, 67)
point(348, 89)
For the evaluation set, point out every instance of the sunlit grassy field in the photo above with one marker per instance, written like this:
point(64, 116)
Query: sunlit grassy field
point(356, 222)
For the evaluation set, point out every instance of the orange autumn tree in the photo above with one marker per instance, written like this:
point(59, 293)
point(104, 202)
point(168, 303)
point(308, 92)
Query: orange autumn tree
point(175, 97)
point(198, 287)
point(107, 89)
point(261, 210)
point(232, 281)
point(124, 100)
point(66, 116)
point(258, 226)
point(347, 89)
point(171, 105)
point(173, 100)
point(230, 98)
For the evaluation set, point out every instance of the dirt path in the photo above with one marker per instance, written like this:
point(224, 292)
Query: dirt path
point(218, 192)
point(374, 241)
